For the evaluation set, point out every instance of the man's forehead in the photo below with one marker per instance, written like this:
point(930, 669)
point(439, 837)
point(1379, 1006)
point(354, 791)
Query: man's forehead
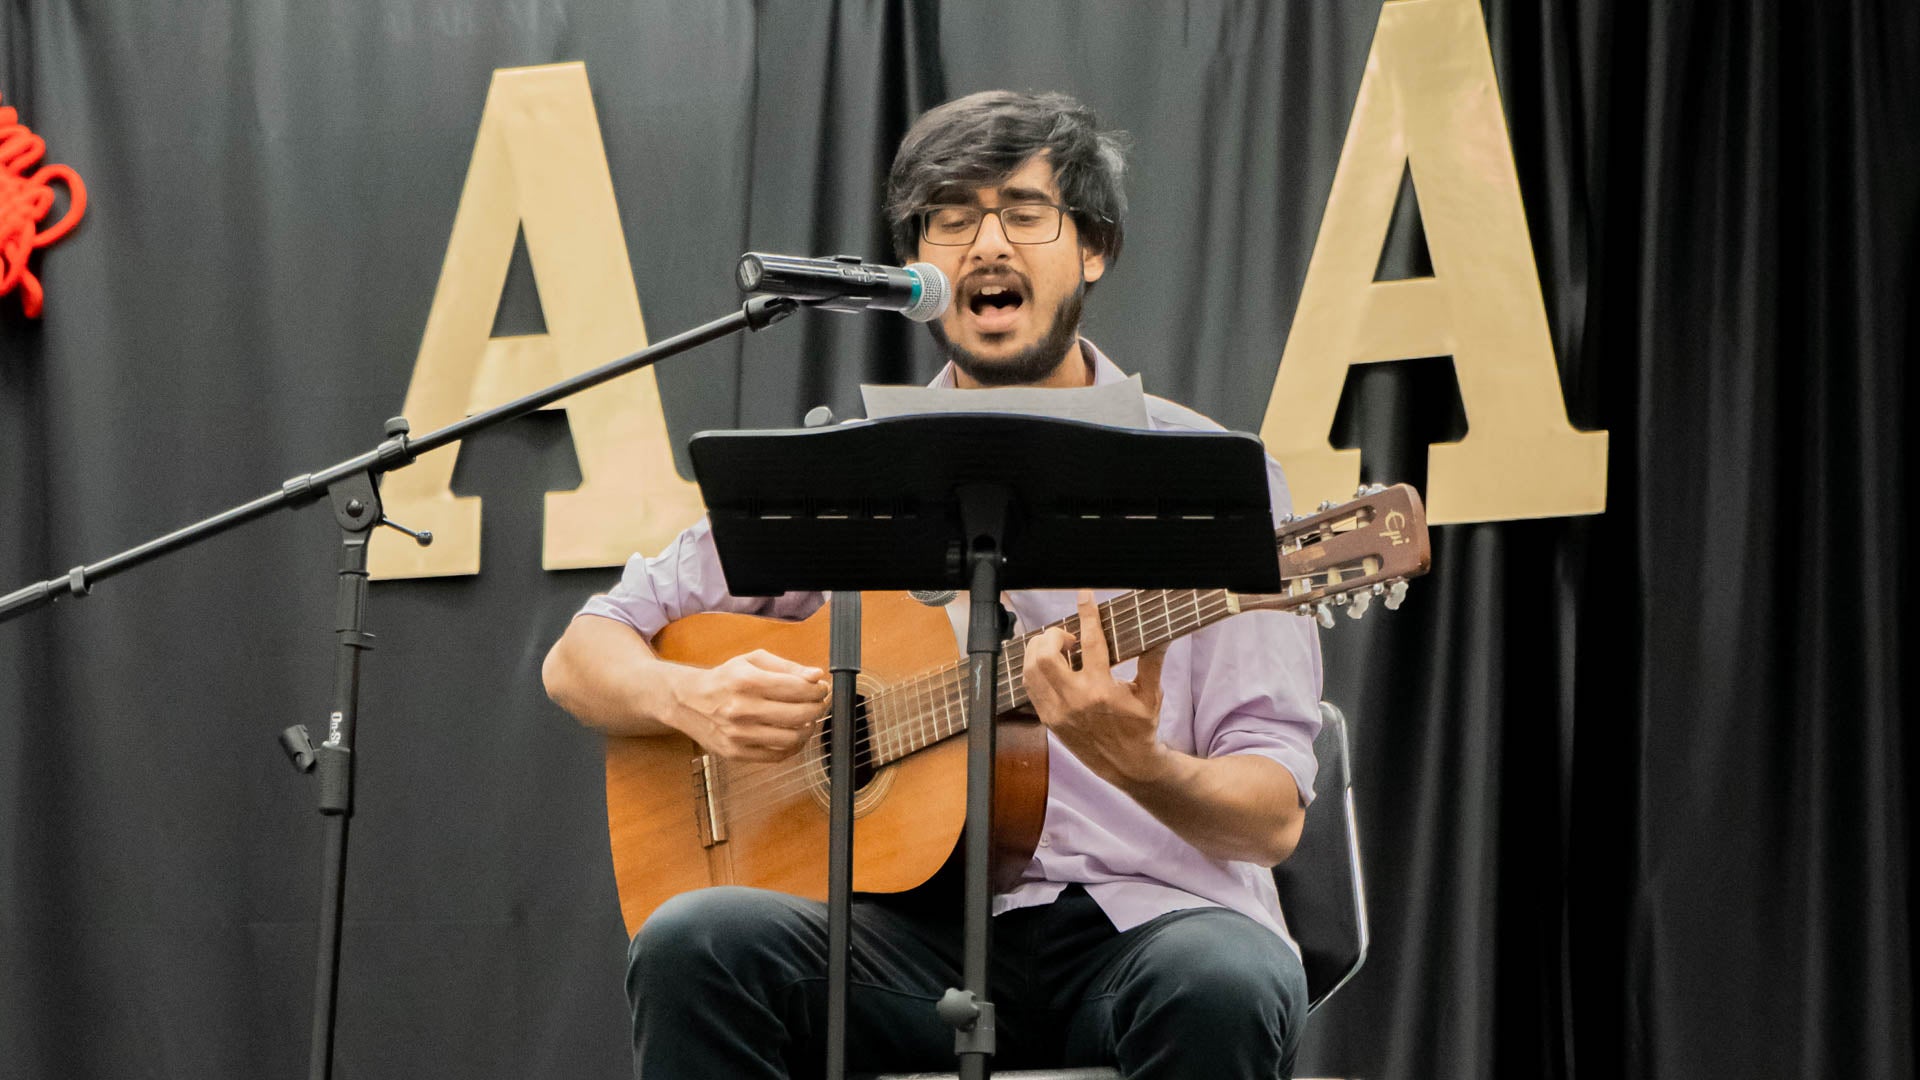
point(1033, 181)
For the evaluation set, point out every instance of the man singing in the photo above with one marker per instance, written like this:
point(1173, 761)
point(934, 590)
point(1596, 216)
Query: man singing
point(1145, 932)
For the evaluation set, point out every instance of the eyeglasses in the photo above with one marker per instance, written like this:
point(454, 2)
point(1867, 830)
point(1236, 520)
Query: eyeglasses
point(1022, 223)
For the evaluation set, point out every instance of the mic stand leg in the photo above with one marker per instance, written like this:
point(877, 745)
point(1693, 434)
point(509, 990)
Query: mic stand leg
point(844, 661)
point(356, 507)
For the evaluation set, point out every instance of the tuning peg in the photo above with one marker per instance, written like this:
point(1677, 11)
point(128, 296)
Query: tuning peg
point(1327, 505)
point(1359, 604)
point(1396, 593)
point(1324, 614)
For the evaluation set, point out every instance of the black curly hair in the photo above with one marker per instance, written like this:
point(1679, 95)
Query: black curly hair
point(983, 138)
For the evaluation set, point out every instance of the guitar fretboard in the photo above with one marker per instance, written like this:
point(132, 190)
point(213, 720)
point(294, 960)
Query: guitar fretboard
point(916, 713)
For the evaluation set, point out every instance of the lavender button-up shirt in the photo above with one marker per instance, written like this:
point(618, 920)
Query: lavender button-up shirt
point(1247, 685)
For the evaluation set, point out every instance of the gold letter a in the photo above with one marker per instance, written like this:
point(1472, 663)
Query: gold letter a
point(1428, 103)
point(538, 166)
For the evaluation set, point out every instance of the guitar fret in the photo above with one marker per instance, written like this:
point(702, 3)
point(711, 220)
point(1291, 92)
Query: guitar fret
point(1138, 643)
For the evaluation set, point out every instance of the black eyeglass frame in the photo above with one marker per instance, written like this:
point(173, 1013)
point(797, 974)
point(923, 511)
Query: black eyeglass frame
point(921, 214)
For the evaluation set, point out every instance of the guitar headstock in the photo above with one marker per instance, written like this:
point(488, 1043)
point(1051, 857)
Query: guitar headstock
point(1345, 555)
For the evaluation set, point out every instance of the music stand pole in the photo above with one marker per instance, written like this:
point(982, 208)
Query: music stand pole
point(983, 516)
point(843, 659)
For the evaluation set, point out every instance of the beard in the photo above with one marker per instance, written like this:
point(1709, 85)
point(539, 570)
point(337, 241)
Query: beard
point(1029, 365)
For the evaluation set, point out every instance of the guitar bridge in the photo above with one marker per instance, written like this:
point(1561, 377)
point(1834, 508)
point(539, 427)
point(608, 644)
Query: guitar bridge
point(706, 801)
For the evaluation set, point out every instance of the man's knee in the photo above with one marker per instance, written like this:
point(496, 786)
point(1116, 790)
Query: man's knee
point(732, 932)
point(1224, 977)
point(1221, 972)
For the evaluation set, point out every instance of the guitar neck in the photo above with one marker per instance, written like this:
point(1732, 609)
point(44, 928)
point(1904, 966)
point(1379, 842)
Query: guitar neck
point(1343, 555)
point(932, 707)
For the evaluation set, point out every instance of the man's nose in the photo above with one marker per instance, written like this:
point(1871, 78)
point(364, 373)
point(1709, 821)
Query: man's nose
point(991, 241)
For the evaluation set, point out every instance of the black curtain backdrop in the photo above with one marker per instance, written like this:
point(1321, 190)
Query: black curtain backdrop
point(1633, 786)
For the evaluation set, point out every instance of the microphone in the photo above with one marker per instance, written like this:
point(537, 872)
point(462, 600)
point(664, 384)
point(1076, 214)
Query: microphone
point(846, 283)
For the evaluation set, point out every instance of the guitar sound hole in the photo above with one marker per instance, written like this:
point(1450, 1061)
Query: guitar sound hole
point(863, 767)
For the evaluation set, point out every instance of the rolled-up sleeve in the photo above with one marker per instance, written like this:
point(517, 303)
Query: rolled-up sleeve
point(1256, 690)
point(686, 579)
point(1257, 680)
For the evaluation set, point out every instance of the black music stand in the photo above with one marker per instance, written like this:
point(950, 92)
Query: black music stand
point(958, 501)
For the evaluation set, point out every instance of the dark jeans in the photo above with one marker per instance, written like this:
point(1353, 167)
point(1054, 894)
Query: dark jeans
point(731, 982)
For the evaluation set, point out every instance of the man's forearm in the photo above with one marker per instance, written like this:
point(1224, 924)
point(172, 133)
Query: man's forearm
point(1241, 806)
point(607, 676)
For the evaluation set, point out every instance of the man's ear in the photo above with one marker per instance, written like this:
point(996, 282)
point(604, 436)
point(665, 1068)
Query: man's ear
point(1092, 264)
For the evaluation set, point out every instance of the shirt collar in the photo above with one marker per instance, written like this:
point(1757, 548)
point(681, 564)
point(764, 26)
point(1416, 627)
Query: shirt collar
point(1104, 370)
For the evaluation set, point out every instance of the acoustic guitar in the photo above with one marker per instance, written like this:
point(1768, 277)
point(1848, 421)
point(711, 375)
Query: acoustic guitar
point(681, 819)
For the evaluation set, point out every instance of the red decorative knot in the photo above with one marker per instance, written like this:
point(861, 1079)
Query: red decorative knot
point(24, 202)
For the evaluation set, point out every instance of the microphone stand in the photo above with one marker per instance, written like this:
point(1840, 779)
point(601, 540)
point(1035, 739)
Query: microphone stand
point(352, 486)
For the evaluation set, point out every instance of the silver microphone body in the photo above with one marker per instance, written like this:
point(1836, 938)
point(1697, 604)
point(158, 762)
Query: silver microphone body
point(846, 283)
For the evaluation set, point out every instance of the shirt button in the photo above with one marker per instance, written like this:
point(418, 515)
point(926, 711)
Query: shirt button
point(1046, 842)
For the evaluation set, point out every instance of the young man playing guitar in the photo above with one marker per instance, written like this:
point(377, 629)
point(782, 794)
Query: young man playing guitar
point(1145, 931)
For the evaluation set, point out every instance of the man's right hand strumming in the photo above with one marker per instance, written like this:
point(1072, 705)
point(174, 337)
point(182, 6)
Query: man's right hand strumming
point(755, 707)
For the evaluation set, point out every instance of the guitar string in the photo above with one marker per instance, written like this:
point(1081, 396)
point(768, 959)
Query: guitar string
point(943, 715)
point(919, 726)
point(948, 716)
point(936, 716)
point(771, 792)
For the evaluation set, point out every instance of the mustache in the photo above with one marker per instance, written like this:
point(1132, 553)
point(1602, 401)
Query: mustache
point(980, 279)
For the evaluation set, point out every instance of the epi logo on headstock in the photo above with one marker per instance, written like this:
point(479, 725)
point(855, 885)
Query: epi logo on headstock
point(1395, 523)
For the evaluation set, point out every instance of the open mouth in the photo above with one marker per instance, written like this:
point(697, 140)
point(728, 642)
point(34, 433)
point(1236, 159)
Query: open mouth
point(996, 306)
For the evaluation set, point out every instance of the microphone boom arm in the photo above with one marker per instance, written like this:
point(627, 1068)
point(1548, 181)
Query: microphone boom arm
point(396, 452)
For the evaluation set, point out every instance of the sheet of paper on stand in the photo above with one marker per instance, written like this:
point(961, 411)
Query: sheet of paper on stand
point(1118, 404)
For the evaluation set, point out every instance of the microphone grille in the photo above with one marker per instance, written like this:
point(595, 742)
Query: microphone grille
point(936, 294)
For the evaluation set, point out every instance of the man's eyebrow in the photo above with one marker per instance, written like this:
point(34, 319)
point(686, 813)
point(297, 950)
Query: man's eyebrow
point(1023, 194)
point(957, 195)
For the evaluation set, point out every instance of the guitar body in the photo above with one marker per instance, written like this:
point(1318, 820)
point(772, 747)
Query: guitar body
point(768, 825)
